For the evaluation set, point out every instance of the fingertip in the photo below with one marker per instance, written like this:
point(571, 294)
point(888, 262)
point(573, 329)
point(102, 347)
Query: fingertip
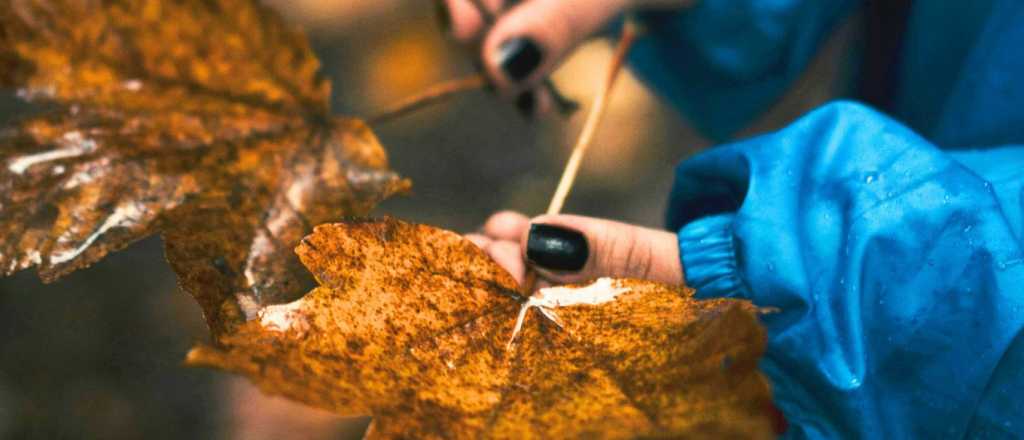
point(506, 225)
point(508, 256)
point(529, 40)
point(524, 234)
point(607, 248)
point(465, 24)
point(515, 52)
point(481, 241)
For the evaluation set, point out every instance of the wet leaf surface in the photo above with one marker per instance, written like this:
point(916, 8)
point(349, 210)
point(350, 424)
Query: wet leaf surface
point(206, 121)
point(412, 325)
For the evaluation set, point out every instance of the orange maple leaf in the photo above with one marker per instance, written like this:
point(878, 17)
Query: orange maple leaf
point(411, 324)
point(206, 121)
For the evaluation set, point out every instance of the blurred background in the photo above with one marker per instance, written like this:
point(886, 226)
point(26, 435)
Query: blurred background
point(98, 353)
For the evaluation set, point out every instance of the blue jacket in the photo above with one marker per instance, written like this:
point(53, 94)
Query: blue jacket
point(891, 245)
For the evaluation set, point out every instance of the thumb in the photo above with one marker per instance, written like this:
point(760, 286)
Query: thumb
point(529, 40)
point(569, 249)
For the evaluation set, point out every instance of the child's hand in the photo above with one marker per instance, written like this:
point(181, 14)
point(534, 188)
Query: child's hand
point(567, 248)
point(530, 37)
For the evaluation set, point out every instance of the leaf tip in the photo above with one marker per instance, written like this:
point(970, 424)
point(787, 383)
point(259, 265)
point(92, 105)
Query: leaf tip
point(205, 356)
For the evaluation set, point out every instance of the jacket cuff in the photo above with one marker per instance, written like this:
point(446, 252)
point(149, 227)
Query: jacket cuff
point(708, 254)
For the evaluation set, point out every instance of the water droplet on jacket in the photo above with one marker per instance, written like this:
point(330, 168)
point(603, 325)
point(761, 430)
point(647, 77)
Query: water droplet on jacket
point(771, 267)
point(1007, 263)
point(870, 177)
point(854, 382)
point(988, 185)
point(968, 228)
point(945, 199)
point(842, 281)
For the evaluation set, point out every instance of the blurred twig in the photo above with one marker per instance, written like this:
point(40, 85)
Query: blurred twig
point(444, 90)
point(434, 93)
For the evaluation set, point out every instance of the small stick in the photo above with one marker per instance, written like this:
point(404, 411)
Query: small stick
point(629, 34)
point(593, 119)
point(434, 93)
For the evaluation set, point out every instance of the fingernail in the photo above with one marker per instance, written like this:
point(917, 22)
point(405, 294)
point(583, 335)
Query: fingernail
point(556, 248)
point(444, 21)
point(519, 57)
point(526, 103)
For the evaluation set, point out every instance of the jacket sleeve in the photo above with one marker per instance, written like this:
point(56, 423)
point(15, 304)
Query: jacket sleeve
point(721, 63)
point(896, 268)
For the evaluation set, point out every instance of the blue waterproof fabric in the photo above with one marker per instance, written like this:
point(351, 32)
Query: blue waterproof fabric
point(722, 62)
point(897, 271)
point(892, 247)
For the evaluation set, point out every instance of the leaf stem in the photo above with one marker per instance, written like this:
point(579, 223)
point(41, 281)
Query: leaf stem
point(435, 93)
point(444, 90)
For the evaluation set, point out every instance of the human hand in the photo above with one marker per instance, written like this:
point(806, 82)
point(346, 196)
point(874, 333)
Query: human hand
point(570, 249)
point(530, 38)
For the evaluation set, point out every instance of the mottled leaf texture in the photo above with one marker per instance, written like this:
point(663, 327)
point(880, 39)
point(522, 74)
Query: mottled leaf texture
point(204, 120)
point(411, 324)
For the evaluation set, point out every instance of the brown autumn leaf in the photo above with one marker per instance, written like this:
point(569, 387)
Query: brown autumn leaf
point(411, 324)
point(204, 120)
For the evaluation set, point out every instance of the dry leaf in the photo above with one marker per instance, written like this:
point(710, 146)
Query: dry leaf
point(207, 121)
point(204, 120)
point(411, 324)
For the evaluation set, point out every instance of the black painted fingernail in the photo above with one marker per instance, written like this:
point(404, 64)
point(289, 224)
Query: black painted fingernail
point(526, 103)
point(557, 248)
point(444, 21)
point(519, 57)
